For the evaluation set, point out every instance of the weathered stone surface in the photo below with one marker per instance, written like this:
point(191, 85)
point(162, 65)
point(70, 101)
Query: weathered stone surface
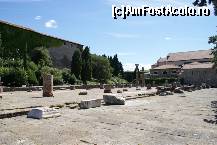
point(83, 93)
point(43, 112)
point(47, 85)
point(86, 104)
point(114, 99)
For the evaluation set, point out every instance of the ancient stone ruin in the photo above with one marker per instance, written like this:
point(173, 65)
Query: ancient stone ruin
point(47, 85)
point(86, 104)
point(44, 112)
point(114, 99)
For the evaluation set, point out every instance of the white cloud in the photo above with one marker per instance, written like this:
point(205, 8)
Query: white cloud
point(167, 38)
point(121, 35)
point(37, 17)
point(51, 24)
point(131, 66)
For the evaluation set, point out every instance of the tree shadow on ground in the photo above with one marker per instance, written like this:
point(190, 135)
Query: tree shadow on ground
point(214, 107)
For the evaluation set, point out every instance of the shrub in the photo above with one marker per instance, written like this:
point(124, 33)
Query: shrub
point(57, 74)
point(41, 56)
point(32, 79)
point(117, 80)
point(14, 77)
point(68, 77)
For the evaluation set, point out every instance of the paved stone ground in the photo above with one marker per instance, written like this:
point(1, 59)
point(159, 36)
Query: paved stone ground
point(157, 120)
point(22, 99)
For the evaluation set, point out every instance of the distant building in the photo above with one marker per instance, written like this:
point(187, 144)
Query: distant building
point(194, 67)
point(61, 56)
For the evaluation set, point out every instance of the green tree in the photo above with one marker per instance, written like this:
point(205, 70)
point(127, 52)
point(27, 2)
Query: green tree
point(1, 49)
point(101, 68)
point(86, 72)
point(41, 57)
point(68, 77)
point(76, 64)
point(117, 66)
point(213, 40)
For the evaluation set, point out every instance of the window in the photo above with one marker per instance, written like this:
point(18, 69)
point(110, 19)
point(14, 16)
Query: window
point(155, 73)
point(174, 72)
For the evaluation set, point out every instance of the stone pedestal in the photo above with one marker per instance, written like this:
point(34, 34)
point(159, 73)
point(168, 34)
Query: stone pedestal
point(42, 113)
point(86, 104)
point(47, 85)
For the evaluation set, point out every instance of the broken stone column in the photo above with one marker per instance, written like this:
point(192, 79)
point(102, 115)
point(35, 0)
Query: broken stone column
point(137, 75)
point(47, 85)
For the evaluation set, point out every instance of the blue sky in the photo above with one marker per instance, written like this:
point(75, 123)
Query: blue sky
point(136, 40)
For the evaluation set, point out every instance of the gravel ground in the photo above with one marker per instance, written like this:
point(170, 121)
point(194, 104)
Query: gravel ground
point(158, 120)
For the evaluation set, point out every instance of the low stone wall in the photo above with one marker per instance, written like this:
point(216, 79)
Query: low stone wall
point(39, 88)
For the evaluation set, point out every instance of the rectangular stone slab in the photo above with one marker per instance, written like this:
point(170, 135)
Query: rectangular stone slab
point(86, 104)
point(43, 112)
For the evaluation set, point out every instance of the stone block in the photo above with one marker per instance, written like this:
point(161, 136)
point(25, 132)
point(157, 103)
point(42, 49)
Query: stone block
point(119, 91)
point(107, 91)
point(86, 104)
point(83, 93)
point(43, 112)
point(125, 90)
point(114, 99)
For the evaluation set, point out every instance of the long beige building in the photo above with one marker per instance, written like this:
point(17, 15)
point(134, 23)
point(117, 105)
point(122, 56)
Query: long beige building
point(194, 67)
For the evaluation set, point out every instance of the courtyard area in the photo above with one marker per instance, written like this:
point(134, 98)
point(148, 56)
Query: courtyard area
point(179, 119)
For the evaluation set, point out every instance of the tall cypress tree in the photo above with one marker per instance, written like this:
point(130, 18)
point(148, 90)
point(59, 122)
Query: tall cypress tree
point(86, 72)
point(1, 49)
point(116, 65)
point(76, 64)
